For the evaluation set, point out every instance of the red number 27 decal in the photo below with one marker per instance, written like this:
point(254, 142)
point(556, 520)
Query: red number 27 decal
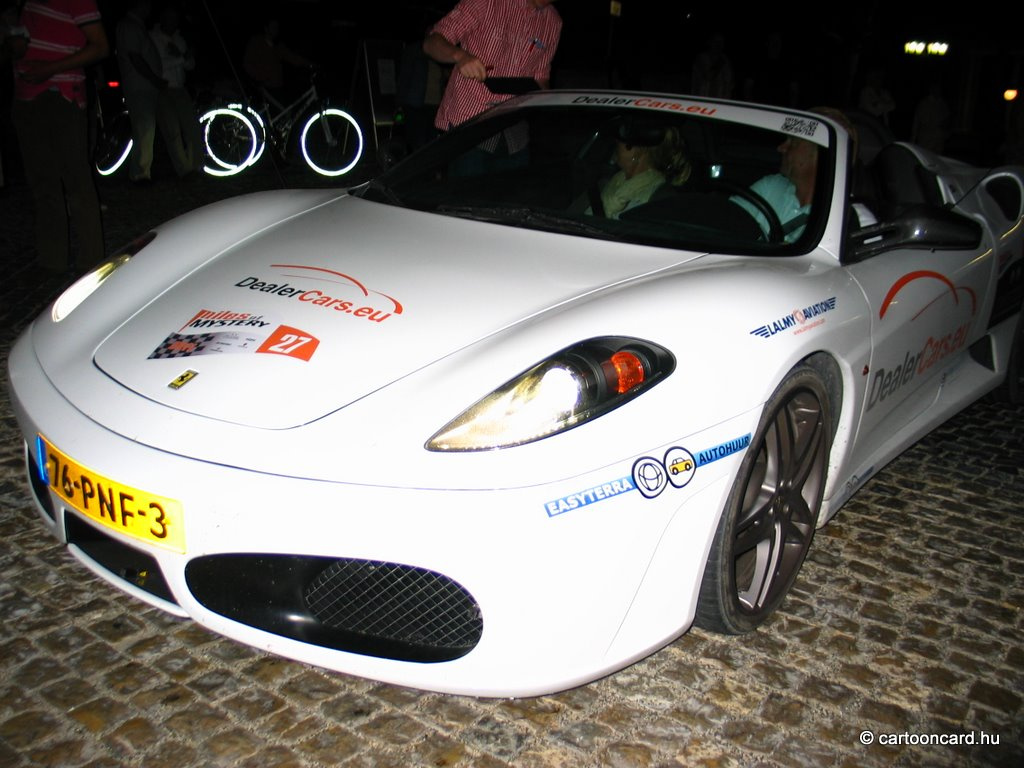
point(290, 342)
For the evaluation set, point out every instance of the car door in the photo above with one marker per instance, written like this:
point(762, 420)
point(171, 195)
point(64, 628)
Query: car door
point(926, 307)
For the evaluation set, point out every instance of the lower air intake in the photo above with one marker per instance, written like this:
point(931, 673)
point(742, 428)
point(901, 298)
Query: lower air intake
point(401, 603)
point(369, 607)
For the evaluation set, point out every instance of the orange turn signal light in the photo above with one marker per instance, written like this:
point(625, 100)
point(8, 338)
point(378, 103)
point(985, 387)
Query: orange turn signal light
point(629, 370)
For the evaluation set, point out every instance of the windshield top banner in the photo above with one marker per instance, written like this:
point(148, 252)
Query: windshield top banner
point(800, 125)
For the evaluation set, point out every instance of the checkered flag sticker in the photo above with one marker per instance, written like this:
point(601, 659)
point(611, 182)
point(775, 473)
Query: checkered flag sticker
point(181, 345)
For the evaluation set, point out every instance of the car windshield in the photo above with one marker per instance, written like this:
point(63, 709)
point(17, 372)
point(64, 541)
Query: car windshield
point(653, 170)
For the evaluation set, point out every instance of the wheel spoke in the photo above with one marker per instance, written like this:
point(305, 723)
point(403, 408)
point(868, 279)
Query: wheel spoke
point(755, 569)
point(754, 527)
point(798, 525)
point(781, 448)
point(809, 458)
point(799, 513)
point(755, 542)
point(808, 429)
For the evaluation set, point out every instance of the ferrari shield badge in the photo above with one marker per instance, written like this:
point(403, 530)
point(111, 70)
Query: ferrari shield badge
point(183, 379)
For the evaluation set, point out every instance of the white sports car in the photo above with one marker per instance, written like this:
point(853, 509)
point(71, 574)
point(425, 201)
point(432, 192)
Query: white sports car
point(515, 414)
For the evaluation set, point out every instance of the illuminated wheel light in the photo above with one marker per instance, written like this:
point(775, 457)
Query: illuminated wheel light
point(117, 163)
point(227, 168)
point(263, 133)
point(359, 139)
point(261, 140)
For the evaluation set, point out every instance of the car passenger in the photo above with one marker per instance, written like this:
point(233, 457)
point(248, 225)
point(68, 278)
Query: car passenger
point(646, 161)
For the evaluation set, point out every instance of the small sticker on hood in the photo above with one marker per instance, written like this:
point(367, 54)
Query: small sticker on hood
point(235, 332)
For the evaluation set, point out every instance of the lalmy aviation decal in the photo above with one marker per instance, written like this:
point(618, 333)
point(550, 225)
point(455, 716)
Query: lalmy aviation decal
point(325, 289)
point(650, 476)
point(215, 332)
point(797, 321)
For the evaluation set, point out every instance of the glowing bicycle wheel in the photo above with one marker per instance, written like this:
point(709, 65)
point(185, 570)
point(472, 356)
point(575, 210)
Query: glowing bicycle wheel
point(331, 142)
point(234, 139)
point(114, 146)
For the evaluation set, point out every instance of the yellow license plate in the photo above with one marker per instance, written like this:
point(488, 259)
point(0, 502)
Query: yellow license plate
point(136, 513)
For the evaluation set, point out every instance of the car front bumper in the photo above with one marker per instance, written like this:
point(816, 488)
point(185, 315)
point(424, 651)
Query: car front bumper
point(548, 586)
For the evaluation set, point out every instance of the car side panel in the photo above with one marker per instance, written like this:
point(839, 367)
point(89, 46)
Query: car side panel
point(927, 308)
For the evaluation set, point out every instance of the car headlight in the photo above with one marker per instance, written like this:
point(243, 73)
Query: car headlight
point(83, 288)
point(572, 386)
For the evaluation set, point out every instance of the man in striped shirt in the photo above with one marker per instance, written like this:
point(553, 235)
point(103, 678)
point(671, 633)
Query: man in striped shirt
point(49, 111)
point(491, 38)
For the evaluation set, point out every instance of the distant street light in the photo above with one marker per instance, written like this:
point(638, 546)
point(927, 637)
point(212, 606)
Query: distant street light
point(918, 48)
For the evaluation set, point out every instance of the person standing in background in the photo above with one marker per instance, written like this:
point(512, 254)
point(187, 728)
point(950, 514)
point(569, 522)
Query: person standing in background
point(60, 39)
point(141, 73)
point(875, 98)
point(420, 85)
point(265, 58)
point(485, 39)
point(9, 30)
point(176, 113)
point(712, 71)
point(491, 38)
point(931, 121)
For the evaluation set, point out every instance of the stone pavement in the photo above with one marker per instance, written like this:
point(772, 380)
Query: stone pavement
point(905, 625)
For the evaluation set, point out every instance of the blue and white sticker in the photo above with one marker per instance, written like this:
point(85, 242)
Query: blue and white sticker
point(798, 321)
point(709, 455)
point(680, 466)
point(650, 476)
point(589, 496)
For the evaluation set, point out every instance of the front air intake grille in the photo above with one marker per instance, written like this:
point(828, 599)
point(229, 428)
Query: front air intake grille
point(397, 602)
point(124, 562)
point(369, 607)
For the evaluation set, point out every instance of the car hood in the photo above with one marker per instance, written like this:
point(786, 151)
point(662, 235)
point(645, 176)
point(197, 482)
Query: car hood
point(329, 306)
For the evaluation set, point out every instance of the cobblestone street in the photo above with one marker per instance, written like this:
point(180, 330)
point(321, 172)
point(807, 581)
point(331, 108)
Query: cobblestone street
point(905, 624)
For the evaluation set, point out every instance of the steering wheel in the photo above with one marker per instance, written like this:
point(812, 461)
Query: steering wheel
point(775, 232)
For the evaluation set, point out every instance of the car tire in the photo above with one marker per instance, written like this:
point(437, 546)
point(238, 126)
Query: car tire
point(771, 513)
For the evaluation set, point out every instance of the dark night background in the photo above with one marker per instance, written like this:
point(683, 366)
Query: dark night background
point(827, 49)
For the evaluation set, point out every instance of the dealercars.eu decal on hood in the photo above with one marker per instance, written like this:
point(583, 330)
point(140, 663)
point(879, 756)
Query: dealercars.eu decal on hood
point(282, 316)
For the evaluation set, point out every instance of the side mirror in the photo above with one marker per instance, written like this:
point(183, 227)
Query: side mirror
point(920, 226)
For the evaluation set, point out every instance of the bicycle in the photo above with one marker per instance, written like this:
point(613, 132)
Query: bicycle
point(236, 134)
point(113, 140)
